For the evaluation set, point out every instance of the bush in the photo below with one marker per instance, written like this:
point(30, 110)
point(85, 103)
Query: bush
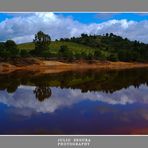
point(113, 57)
point(24, 53)
point(11, 48)
point(46, 54)
point(65, 52)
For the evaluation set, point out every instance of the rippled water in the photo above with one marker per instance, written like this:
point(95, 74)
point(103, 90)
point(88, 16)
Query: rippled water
point(84, 102)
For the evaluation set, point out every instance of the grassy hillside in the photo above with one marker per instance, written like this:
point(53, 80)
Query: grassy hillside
point(89, 47)
point(26, 46)
point(55, 46)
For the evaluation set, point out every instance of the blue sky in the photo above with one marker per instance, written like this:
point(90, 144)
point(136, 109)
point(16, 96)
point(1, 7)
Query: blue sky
point(4, 16)
point(90, 17)
point(101, 17)
point(21, 27)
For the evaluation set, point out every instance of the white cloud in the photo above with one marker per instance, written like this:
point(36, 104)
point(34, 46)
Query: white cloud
point(22, 28)
point(24, 98)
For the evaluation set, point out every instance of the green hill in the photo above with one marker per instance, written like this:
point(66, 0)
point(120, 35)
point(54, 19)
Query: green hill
point(89, 47)
point(26, 46)
point(55, 46)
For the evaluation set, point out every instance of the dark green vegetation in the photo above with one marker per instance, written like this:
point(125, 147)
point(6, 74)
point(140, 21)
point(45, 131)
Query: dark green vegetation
point(88, 47)
point(112, 47)
point(8, 49)
point(90, 80)
point(41, 42)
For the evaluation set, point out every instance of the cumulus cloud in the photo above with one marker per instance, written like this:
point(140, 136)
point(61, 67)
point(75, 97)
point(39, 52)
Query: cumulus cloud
point(24, 98)
point(22, 27)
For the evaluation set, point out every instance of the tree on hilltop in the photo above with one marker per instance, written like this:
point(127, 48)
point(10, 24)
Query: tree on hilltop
point(42, 42)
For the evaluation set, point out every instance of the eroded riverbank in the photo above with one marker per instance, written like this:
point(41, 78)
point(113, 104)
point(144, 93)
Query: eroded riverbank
point(52, 66)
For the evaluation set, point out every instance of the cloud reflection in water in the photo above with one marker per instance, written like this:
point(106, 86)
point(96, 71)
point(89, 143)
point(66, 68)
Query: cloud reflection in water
point(24, 98)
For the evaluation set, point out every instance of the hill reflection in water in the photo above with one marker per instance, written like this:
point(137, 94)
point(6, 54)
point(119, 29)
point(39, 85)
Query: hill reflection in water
point(102, 102)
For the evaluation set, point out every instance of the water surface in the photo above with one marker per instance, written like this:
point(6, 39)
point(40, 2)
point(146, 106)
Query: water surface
point(76, 102)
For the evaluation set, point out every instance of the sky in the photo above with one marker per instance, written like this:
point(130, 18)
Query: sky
point(21, 27)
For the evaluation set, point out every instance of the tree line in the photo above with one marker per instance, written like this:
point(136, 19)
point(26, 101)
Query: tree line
point(104, 47)
point(112, 47)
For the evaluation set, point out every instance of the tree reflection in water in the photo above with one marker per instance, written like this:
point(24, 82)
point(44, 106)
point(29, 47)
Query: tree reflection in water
point(107, 81)
point(42, 92)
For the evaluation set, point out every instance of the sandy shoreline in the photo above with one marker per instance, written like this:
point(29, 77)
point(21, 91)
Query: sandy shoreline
point(48, 66)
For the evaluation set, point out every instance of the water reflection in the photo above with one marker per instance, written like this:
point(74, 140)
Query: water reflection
point(107, 81)
point(92, 98)
point(24, 98)
point(42, 92)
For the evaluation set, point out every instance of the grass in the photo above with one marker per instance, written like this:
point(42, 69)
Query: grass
point(55, 46)
point(26, 46)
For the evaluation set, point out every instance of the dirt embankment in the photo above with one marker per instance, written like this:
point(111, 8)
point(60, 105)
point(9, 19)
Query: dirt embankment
point(48, 66)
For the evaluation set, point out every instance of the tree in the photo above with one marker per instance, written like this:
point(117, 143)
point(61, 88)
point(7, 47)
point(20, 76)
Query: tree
point(113, 57)
point(2, 46)
point(24, 53)
point(42, 92)
point(11, 48)
point(106, 34)
point(97, 54)
point(42, 42)
point(2, 49)
point(65, 52)
point(111, 35)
